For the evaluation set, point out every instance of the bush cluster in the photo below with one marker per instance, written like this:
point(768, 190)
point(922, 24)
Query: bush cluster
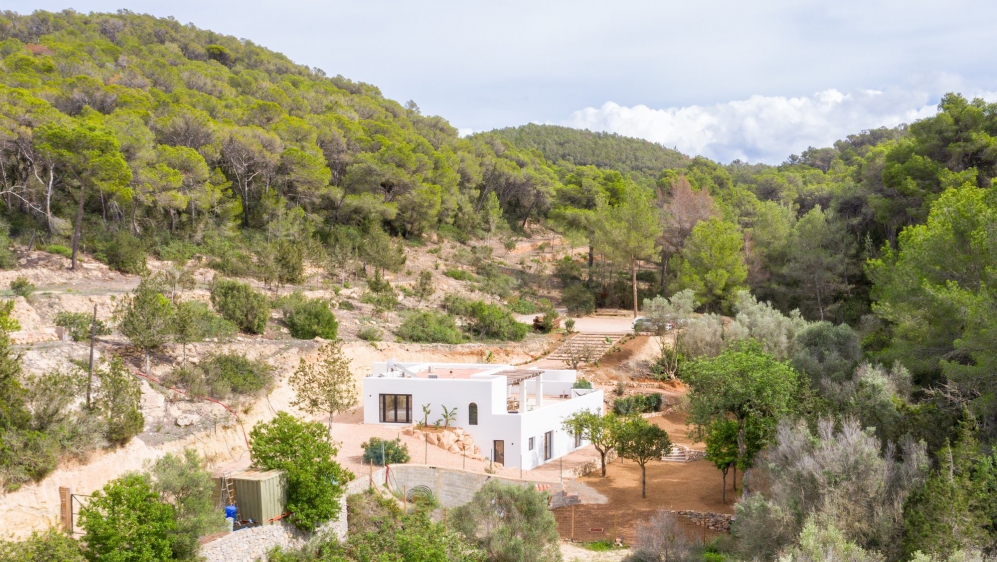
point(309, 318)
point(429, 327)
point(222, 376)
point(459, 274)
point(124, 252)
point(21, 287)
point(385, 451)
point(637, 404)
point(8, 260)
point(486, 321)
point(78, 325)
point(369, 333)
point(380, 294)
point(578, 300)
point(240, 304)
point(57, 249)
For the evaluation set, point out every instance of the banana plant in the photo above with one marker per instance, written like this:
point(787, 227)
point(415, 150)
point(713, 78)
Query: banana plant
point(449, 416)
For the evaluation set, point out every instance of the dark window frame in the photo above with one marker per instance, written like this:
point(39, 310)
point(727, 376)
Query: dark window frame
point(383, 401)
point(548, 445)
point(472, 414)
point(531, 444)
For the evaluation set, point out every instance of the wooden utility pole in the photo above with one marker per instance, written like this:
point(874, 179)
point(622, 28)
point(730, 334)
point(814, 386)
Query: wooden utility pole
point(93, 332)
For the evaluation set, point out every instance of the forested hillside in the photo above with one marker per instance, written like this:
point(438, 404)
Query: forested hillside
point(124, 135)
point(587, 148)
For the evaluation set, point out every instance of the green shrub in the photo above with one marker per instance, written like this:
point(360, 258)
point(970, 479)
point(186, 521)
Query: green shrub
point(78, 325)
point(222, 376)
point(457, 305)
point(498, 284)
point(195, 320)
point(369, 333)
point(309, 318)
point(567, 270)
point(124, 252)
point(485, 320)
point(429, 327)
point(520, 305)
point(382, 302)
point(582, 383)
point(346, 305)
point(7, 258)
point(50, 546)
point(637, 404)
point(380, 293)
point(57, 249)
point(451, 232)
point(459, 274)
point(240, 304)
point(547, 322)
point(118, 398)
point(21, 287)
point(128, 512)
point(491, 321)
point(243, 376)
point(227, 257)
point(578, 300)
point(27, 456)
point(384, 451)
point(600, 546)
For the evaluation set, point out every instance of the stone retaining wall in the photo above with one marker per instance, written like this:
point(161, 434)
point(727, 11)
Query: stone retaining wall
point(452, 487)
point(715, 521)
point(249, 545)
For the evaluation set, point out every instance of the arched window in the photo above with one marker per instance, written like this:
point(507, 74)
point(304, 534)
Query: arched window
point(472, 414)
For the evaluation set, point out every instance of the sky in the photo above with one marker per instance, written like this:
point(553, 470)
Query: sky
point(726, 79)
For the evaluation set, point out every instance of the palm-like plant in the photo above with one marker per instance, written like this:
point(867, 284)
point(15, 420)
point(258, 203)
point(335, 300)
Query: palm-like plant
point(449, 416)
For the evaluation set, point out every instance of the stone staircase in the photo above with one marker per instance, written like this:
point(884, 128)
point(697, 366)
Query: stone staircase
point(586, 347)
point(681, 453)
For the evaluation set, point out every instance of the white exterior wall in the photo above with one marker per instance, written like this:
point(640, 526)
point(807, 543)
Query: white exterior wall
point(489, 392)
point(536, 423)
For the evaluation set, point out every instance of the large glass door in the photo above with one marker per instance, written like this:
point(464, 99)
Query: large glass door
point(498, 454)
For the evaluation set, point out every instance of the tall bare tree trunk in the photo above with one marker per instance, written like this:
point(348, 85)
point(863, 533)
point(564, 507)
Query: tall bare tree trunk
point(78, 229)
point(633, 279)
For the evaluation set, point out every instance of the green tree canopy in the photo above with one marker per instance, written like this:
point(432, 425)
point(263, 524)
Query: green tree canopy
point(743, 384)
point(306, 453)
point(627, 231)
point(510, 523)
point(712, 263)
point(641, 441)
point(126, 522)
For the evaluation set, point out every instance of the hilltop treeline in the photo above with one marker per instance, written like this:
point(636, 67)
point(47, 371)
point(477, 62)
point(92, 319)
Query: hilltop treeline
point(124, 131)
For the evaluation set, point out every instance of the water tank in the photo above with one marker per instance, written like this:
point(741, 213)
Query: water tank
point(261, 495)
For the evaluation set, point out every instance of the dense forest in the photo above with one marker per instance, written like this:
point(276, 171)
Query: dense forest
point(123, 132)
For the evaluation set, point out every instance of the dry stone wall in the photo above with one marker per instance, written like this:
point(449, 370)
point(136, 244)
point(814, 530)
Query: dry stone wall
point(249, 545)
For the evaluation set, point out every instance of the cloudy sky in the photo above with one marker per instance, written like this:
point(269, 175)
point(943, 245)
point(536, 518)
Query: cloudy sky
point(726, 78)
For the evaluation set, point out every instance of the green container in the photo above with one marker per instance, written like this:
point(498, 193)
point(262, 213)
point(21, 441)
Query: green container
point(261, 496)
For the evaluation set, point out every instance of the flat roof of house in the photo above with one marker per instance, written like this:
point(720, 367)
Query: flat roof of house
point(449, 373)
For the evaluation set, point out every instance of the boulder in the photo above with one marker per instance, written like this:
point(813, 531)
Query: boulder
point(447, 439)
point(454, 449)
point(433, 438)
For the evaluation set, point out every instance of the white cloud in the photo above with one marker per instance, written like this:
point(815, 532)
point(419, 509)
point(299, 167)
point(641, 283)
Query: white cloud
point(760, 128)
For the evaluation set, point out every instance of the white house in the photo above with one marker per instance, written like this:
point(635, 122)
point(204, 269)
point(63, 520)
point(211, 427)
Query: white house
point(514, 415)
